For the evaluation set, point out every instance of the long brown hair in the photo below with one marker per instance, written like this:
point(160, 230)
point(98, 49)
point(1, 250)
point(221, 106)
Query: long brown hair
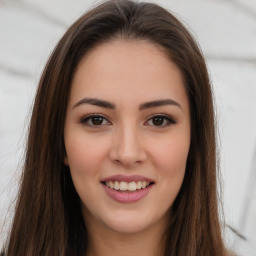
point(48, 218)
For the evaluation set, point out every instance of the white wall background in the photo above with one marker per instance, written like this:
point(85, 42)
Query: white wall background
point(226, 31)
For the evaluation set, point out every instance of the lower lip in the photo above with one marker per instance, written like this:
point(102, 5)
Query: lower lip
point(127, 197)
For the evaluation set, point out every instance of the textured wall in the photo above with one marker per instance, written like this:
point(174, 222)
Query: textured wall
point(226, 31)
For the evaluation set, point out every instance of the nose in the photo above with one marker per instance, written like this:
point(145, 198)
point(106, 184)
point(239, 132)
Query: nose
point(127, 147)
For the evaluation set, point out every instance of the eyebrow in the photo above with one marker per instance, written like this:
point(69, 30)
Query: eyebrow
point(106, 104)
point(159, 103)
point(95, 102)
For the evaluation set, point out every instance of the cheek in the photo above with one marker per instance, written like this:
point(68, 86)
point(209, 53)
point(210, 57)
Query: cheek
point(85, 160)
point(84, 155)
point(173, 152)
point(170, 158)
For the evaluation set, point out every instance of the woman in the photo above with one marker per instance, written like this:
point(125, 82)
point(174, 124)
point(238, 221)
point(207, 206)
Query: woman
point(121, 153)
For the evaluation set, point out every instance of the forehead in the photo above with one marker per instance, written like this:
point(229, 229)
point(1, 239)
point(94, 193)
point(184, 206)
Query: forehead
point(122, 68)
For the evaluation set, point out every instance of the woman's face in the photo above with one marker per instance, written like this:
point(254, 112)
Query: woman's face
point(127, 135)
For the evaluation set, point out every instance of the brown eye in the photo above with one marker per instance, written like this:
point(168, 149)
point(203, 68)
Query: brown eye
point(97, 120)
point(94, 120)
point(160, 121)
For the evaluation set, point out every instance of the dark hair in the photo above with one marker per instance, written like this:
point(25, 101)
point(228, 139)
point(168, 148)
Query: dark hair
point(48, 219)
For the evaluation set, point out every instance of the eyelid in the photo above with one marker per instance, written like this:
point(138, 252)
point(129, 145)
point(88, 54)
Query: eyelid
point(85, 118)
point(167, 117)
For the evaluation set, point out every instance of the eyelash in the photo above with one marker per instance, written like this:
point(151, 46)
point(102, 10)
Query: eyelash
point(85, 120)
point(166, 119)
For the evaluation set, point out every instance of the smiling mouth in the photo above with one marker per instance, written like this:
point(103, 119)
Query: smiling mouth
point(123, 186)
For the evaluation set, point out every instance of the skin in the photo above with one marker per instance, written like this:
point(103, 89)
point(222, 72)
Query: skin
point(127, 140)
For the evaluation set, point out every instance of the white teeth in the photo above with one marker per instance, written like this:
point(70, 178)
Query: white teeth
point(132, 186)
point(123, 186)
point(139, 185)
point(127, 186)
point(116, 185)
point(111, 184)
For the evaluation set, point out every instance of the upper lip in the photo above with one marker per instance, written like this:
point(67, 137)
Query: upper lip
point(125, 178)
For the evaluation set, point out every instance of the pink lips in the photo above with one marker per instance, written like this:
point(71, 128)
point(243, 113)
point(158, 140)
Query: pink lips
point(127, 197)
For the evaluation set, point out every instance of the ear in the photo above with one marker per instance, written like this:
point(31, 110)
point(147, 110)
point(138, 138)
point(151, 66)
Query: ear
point(66, 161)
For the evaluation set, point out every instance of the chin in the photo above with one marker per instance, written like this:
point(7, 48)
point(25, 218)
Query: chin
point(132, 222)
point(126, 227)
